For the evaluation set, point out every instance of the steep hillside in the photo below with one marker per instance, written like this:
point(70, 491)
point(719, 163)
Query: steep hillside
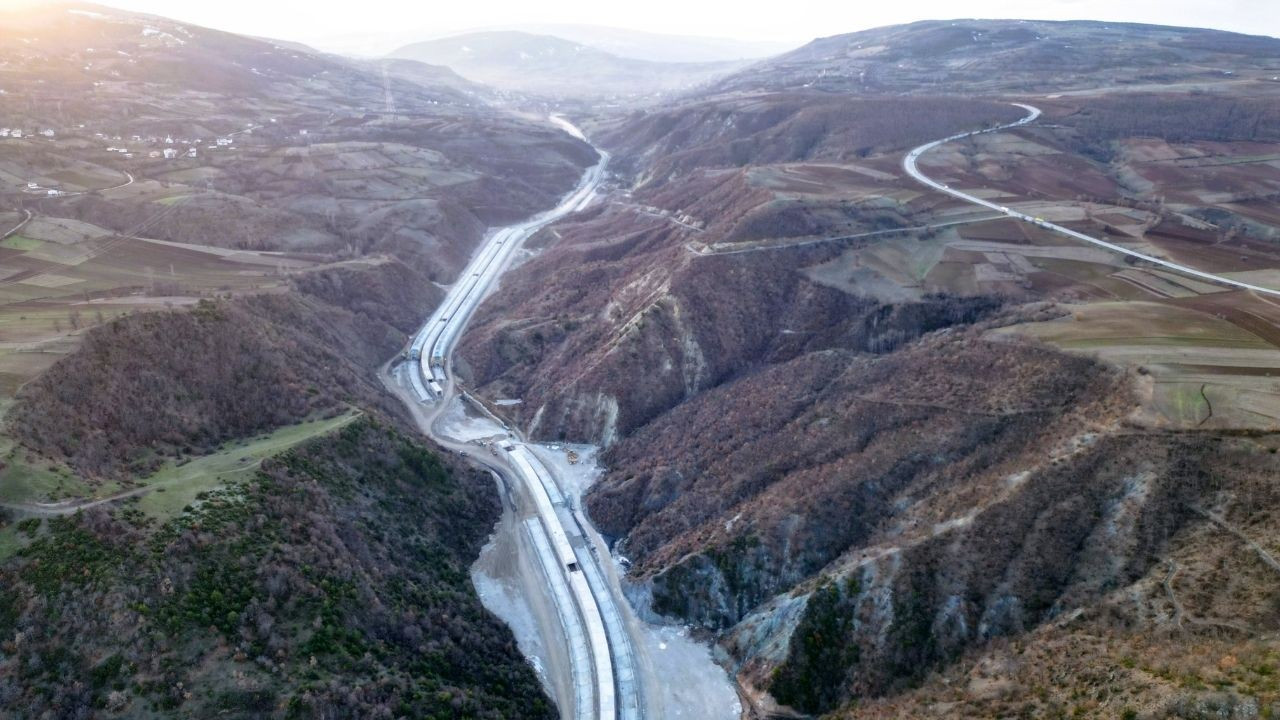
point(333, 581)
point(150, 163)
point(904, 457)
point(143, 60)
point(784, 127)
point(274, 147)
point(551, 66)
point(157, 385)
point(210, 245)
point(1028, 56)
point(624, 317)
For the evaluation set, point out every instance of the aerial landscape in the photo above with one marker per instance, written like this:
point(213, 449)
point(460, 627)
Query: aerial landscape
point(691, 362)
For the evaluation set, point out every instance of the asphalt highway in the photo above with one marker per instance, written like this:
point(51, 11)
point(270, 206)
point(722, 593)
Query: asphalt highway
point(603, 671)
point(910, 165)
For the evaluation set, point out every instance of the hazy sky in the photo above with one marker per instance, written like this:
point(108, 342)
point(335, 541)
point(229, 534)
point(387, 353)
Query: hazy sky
point(789, 20)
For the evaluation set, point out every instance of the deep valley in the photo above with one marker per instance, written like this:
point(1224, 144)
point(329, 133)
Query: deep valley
point(868, 448)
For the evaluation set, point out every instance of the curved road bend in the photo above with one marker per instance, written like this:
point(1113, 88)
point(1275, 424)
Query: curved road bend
point(909, 164)
point(19, 226)
point(604, 675)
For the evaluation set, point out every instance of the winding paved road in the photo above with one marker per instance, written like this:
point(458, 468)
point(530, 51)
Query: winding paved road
point(909, 164)
point(18, 227)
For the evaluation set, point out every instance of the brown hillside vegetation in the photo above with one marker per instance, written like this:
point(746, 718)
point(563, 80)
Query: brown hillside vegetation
point(618, 321)
point(383, 291)
point(1002, 56)
point(786, 127)
point(1188, 632)
point(745, 491)
point(673, 326)
point(176, 383)
point(837, 449)
point(928, 504)
point(1100, 122)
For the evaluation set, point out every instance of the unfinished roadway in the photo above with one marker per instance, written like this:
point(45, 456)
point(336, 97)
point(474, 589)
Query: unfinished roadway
point(602, 677)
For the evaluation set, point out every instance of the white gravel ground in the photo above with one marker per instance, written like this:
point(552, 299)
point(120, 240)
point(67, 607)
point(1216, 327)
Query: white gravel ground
point(682, 679)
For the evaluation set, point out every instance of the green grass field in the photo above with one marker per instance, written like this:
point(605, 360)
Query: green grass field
point(177, 485)
point(1182, 402)
point(24, 482)
point(20, 242)
point(172, 487)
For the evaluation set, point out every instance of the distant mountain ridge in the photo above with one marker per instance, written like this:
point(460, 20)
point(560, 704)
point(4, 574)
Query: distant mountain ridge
point(552, 66)
point(658, 47)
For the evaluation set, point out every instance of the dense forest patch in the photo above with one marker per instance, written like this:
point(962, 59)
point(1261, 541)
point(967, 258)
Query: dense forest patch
point(154, 386)
point(335, 579)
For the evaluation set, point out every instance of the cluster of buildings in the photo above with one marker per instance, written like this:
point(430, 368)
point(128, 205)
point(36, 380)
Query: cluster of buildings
point(172, 153)
point(168, 153)
point(20, 133)
point(167, 147)
point(37, 189)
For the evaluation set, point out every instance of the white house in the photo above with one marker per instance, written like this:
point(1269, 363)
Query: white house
point(153, 154)
point(170, 153)
point(48, 133)
point(192, 152)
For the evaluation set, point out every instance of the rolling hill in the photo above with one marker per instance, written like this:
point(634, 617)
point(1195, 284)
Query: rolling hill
point(904, 458)
point(987, 56)
point(211, 244)
point(551, 66)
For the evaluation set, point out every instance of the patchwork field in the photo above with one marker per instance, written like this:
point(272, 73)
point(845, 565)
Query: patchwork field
point(1206, 368)
point(1210, 356)
point(59, 277)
